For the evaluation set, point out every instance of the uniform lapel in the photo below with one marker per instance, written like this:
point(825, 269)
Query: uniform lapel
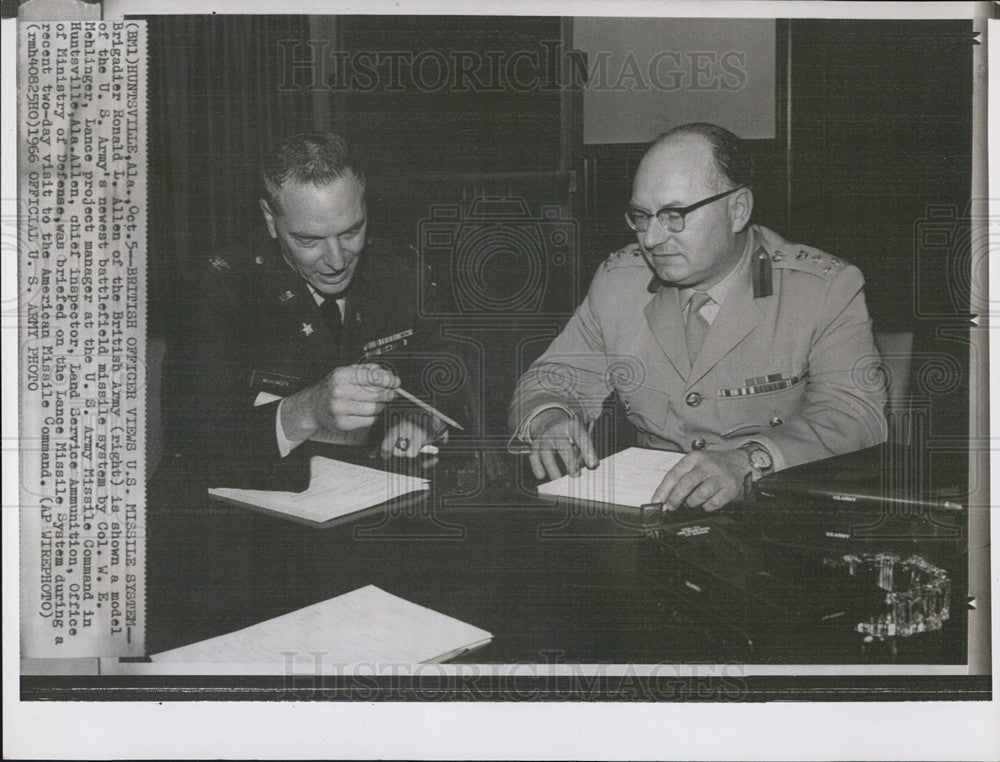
point(737, 316)
point(297, 317)
point(663, 314)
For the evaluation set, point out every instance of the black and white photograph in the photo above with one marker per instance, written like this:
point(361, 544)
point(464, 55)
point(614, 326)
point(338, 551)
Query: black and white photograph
point(507, 370)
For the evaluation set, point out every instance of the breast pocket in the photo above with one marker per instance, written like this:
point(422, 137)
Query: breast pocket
point(762, 405)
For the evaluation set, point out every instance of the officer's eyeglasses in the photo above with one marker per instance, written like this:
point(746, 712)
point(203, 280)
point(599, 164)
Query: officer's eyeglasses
point(670, 217)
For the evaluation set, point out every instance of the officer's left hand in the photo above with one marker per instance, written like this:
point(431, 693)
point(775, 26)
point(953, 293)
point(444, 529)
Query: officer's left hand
point(709, 479)
point(405, 437)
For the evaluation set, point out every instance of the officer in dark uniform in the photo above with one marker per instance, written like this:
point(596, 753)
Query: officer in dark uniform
point(722, 339)
point(282, 340)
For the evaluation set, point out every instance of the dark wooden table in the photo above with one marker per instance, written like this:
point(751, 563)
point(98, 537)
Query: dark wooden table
point(553, 582)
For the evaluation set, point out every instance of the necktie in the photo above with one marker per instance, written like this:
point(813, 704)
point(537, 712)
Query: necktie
point(697, 326)
point(330, 311)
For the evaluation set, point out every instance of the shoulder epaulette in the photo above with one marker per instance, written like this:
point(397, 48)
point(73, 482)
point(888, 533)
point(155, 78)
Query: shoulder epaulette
point(628, 256)
point(806, 259)
point(240, 259)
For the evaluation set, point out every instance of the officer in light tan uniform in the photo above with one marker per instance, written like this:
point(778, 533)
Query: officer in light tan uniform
point(722, 339)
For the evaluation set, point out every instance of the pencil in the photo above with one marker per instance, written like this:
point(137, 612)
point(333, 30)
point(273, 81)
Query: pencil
point(433, 411)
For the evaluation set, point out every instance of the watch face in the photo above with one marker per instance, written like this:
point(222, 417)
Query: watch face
point(760, 459)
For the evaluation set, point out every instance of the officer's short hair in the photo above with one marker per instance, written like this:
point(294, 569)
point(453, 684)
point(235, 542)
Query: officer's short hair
point(317, 158)
point(728, 149)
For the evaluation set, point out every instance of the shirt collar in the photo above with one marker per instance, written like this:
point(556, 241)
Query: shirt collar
point(316, 295)
point(720, 290)
point(320, 298)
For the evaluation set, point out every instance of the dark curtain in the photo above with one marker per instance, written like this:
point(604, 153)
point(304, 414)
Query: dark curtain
point(215, 106)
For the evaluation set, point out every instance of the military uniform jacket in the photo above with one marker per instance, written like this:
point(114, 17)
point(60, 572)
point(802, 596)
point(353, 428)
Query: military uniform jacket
point(796, 370)
point(254, 326)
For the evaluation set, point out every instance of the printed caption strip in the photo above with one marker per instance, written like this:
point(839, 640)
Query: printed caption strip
point(82, 337)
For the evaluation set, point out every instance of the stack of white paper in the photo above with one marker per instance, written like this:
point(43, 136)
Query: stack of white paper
point(629, 477)
point(367, 625)
point(335, 489)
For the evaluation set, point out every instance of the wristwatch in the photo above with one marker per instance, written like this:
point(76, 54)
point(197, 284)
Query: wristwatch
point(760, 457)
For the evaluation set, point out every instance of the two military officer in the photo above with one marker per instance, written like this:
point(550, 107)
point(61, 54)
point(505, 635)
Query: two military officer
point(722, 340)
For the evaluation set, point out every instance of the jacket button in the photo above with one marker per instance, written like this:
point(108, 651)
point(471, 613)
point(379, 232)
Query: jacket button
point(693, 399)
point(698, 443)
point(776, 421)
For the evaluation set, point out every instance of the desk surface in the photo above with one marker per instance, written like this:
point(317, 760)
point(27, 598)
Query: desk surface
point(553, 582)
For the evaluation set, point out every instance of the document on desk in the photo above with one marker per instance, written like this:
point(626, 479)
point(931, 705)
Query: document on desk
point(336, 489)
point(629, 477)
point(367, 625)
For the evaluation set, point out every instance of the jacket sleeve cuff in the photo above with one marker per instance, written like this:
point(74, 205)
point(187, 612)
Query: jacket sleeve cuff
point(520, 442)
point(285, 445)
point(776, 455)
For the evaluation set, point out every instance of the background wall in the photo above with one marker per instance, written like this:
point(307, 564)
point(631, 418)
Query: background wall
point(215, 102)
point(880, 173)
point(643, 73)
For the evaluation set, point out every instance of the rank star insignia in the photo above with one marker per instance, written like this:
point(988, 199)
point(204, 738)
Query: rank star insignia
point(307, 329)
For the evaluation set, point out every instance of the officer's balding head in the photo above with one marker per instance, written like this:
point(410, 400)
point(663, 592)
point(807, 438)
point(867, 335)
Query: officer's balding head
point(704, 166)
point(732, 163)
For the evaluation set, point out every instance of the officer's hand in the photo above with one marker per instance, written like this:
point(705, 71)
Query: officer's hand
point(352, 397)
point(406, 435)
point(706, 479)
point(555, 433)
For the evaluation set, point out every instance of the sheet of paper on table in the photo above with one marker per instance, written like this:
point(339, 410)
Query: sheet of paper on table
point(335, 489)
point(627, 478)
point(367, 625)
